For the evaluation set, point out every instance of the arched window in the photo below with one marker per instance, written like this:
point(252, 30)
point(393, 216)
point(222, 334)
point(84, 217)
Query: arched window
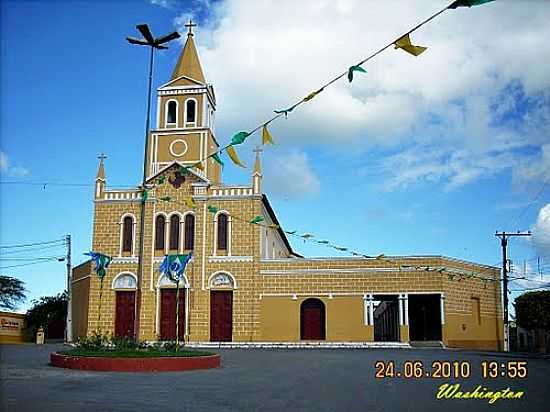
point(190, 111)
point(222, 231)
point(160, 229)
point(189, 232)
point(171, 116)
point(127, 234)
point(174, 232)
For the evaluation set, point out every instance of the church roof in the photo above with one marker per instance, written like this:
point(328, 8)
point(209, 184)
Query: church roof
point(273, 217)
point(189, 64)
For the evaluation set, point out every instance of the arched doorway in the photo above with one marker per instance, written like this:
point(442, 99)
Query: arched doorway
point(221, 285)
point(124, 285)
point(312, 320)
point(166, 308)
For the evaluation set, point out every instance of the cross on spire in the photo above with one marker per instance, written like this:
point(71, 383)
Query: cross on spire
point(190, 26)
point(258, 150)
point(102, 156)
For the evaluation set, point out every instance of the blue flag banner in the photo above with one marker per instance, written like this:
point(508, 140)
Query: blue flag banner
point(101, 261)
point(173, 266)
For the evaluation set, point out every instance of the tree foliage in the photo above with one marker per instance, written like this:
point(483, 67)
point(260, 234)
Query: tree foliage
point(533, 310)
point(12, 292)
point(47, 311)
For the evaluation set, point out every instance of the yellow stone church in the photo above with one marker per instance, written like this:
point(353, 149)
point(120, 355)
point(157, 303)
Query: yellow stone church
point(245, 285)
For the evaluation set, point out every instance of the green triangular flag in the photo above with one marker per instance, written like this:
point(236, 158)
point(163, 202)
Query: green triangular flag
point(161, 179)
point(240, 137)
point(217, 159)
point(257, 220)
point(144, 196)
point(352, 69)
point(212, 209)
point(184, 170)
point(468, 3)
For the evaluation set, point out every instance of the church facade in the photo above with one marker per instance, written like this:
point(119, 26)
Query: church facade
point(245, 283)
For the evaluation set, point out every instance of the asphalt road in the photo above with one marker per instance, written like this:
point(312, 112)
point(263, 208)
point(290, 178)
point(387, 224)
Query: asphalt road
point(262, 380)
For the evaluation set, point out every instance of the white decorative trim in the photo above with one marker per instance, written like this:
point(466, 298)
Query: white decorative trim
point(124, 259)
point(214, 259)
point(215, 227)
point(222, 272)
point(82, 278)
point(300, 345)
point(406, 301)
point(204, 224)
point(121, 230)
point(185, 122)
point(122, 274)
point(166, 103)
point(164, 283)
point(442, 308)
point(178, 154)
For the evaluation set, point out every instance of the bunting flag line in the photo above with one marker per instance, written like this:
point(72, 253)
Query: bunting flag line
point(144, 196)
point(239, 138)
point(312, 95)
point(257, 220)
point(161, 179)
point(274, 226)
point(468, 3)
point(101, 262)
point(307, 235)
point(405, 44)
point(212, 209)
point(233, 156)
point(266, 136)
point(323, 242)
point(352, 69)
point(285, 111)
point(173, 266)
point(216, 157)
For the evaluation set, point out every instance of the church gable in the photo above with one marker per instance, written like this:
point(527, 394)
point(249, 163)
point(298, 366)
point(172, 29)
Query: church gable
point(181, 81)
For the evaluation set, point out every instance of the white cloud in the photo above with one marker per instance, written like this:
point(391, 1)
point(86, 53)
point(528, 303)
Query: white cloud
point(167, 4)
point(12, 171)
point(541, 232)
point(290, 175)
point(479, 90)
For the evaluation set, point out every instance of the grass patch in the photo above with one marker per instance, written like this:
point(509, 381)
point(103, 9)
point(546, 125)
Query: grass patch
point(145, 353)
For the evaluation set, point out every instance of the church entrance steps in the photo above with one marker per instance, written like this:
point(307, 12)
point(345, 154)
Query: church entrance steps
point(299, 345)
point(430, 344)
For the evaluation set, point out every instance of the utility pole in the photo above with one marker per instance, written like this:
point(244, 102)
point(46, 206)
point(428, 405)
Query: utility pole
point(69, 325)
point(504, 244)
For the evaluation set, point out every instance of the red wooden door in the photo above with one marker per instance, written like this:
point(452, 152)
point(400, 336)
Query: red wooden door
point(312, 320)
point(125, 313)
point(221, 316)
point(168, 314)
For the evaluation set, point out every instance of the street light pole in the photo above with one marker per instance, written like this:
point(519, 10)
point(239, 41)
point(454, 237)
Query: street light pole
point(150, 41)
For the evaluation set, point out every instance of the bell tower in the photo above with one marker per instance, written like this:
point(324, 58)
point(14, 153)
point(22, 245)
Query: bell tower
point(186, 106)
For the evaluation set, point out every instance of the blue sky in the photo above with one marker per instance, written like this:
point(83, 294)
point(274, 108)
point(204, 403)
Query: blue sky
point(425, 155)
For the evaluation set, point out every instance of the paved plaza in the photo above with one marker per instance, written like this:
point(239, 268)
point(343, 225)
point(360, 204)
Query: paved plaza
point(261, 380)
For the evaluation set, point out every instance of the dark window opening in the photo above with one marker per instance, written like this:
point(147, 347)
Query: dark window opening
point(127, 234)
point(222, 232)
point(174, 232)
point(189, 232)
point(191, 108)
point(160, 228)
point(172, 108)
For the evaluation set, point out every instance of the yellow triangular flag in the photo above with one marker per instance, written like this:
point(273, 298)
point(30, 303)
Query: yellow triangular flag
point(199, 166)
point(312, 95)
point(233, 155)
point(266, 136)
point(405, 44)
point(190, 203)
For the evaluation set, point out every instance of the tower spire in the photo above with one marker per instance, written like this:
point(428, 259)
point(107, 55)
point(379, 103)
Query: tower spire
point(257, 173)
point(101, 167)
point(188, 63)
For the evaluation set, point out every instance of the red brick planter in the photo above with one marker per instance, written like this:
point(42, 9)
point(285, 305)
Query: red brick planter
point(160, 364)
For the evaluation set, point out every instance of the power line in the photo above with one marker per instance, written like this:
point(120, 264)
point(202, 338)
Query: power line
point(60, 241)
point(29, 258)
point(30, 250)
point(26, 264)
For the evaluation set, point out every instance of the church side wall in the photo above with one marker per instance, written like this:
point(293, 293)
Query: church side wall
point(80, 294)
